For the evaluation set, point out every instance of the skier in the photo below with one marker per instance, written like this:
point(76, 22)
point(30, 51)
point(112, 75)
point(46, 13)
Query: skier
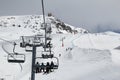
point(59, 55)
point(37, 67)
point(47, 68)
point(42, 55)
point(42, 67)
point(51, 66)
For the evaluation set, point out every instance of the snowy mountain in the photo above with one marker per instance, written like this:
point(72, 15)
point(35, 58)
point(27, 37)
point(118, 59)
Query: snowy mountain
point(91, 56)
point(34, 22)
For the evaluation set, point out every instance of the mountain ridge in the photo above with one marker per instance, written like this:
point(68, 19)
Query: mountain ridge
point(35, 22)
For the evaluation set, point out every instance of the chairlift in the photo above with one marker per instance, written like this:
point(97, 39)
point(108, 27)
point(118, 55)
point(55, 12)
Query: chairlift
point(38, 41)
point(48, 26)
point(39, 34)
point(43, 64)
point(28, 49)
point(46, 46)
point(49, 31)
point(16, 58)
point(47, 54)
point(22, 43)
point(26, 41)
point(48, 37)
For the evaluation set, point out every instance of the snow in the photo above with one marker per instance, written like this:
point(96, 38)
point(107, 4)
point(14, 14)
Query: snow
point(97, 41)
point(83, 56)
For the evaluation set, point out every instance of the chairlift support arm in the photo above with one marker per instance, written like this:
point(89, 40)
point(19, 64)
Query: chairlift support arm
point(43, 11)
point(33, 62)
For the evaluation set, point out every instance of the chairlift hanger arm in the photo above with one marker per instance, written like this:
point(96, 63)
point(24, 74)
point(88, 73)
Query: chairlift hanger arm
point(14, 47)
point(43, 11)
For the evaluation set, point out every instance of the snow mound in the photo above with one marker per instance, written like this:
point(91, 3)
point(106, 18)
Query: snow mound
point(87, 55)
point(97, 41)
point(117, 48)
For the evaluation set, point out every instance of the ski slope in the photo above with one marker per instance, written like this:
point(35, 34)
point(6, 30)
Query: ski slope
point(83, 56)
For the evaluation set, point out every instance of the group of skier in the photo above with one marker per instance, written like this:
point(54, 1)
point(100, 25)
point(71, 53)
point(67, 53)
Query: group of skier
point(44, 68)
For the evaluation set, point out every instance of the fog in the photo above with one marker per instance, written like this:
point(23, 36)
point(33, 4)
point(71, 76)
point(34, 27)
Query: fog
point(93, 15)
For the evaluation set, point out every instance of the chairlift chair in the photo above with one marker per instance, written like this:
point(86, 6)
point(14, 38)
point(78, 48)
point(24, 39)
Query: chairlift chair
point(39, 35)
point(29, 44)
point(56, 65)
point(37, 41)
point(26, 41)
point(16, 58)
point(49, 31)
point(47, 54)
point(29, 41)
point(46, 46)
point(49, 38)
point(44, 61)
point(28, 49)
point(38, 44)
point(22, 43)
point(46, 24)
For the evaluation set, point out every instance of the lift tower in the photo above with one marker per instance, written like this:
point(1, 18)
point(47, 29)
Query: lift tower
point(34, 47)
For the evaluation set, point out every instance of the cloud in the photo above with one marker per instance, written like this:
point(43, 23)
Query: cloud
point(88, 14)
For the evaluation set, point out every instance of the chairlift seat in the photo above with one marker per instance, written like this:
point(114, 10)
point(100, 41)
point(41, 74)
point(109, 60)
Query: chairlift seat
point(49, 31)
point(55, 67)
point(28, 49)
point(27, 44)
point(16, 58)
point(38, 43)
point(47, 55)
point(48, 46)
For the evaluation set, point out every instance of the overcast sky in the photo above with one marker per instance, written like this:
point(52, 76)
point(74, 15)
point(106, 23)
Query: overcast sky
point(94, 15)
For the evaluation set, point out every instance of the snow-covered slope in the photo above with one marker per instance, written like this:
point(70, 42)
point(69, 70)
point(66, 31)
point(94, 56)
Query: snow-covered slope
point(83, 56)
